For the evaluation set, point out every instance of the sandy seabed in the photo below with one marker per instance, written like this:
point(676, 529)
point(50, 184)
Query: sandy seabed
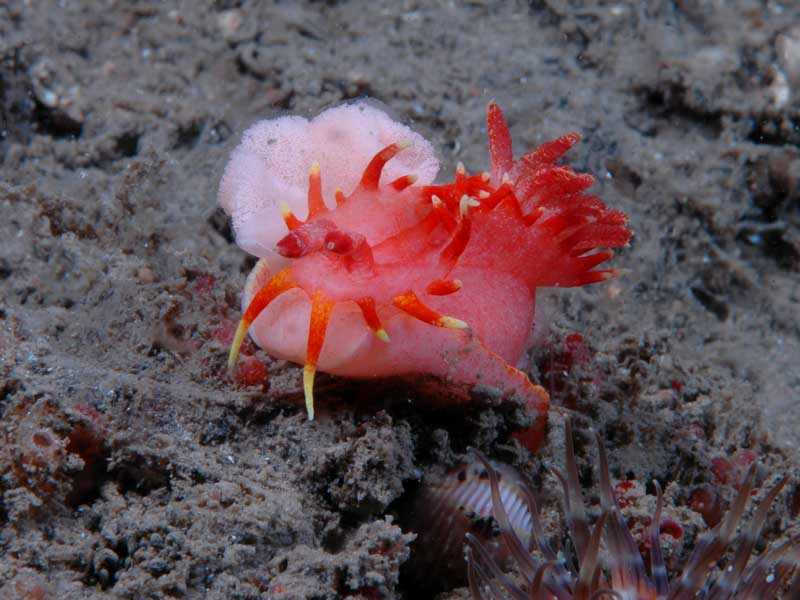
point(132, 467)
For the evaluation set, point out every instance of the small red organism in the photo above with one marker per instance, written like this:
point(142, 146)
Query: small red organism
point(731, 470)
point(250, 372)
point(43, 439)
point(204, 284)
point(87, 439)
point(402, 276)
point(224, 332)
point(560, 370)
point(697, 431)
point(577, 347)
point(672, 529)
point(26, 584)
point(706, 502)
point(743, 459)
point(532, 437)
point(622, 492)
point(722, 469)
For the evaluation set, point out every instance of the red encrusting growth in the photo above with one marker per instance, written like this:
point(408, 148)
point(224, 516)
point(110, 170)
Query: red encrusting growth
point(250, 372)
point(465, 257)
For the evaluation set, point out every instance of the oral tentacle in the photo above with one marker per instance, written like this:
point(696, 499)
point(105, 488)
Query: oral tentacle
point(276, 286)
point(450, 255)
point(292, 222)
point(442, 213)
point(321, 307)
point(590, 261)
point(370, 180)
point(533, 217)
point(403, 182)
point(506, 190)
point(316, 203)
point(465, 203)
point(410, 304)
point(367, 306)
point(444, 287)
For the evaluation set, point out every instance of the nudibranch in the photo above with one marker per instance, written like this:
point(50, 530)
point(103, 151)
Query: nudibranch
point(369, 269)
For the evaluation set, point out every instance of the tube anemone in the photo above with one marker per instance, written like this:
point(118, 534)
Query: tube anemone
point(607, 564)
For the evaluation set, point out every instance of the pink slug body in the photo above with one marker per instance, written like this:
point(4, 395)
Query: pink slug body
point(402, 276)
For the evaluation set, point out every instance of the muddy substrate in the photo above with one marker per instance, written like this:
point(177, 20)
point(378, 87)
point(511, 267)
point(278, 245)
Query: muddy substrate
point(133, 467)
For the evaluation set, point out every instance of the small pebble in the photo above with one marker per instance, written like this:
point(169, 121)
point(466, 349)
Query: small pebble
point(145, 275)
point(229, 22)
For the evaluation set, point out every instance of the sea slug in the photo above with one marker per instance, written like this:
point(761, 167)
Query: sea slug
point(369, 269)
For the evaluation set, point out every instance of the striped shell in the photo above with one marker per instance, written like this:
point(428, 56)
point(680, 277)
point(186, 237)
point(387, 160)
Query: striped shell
point(445, 510)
